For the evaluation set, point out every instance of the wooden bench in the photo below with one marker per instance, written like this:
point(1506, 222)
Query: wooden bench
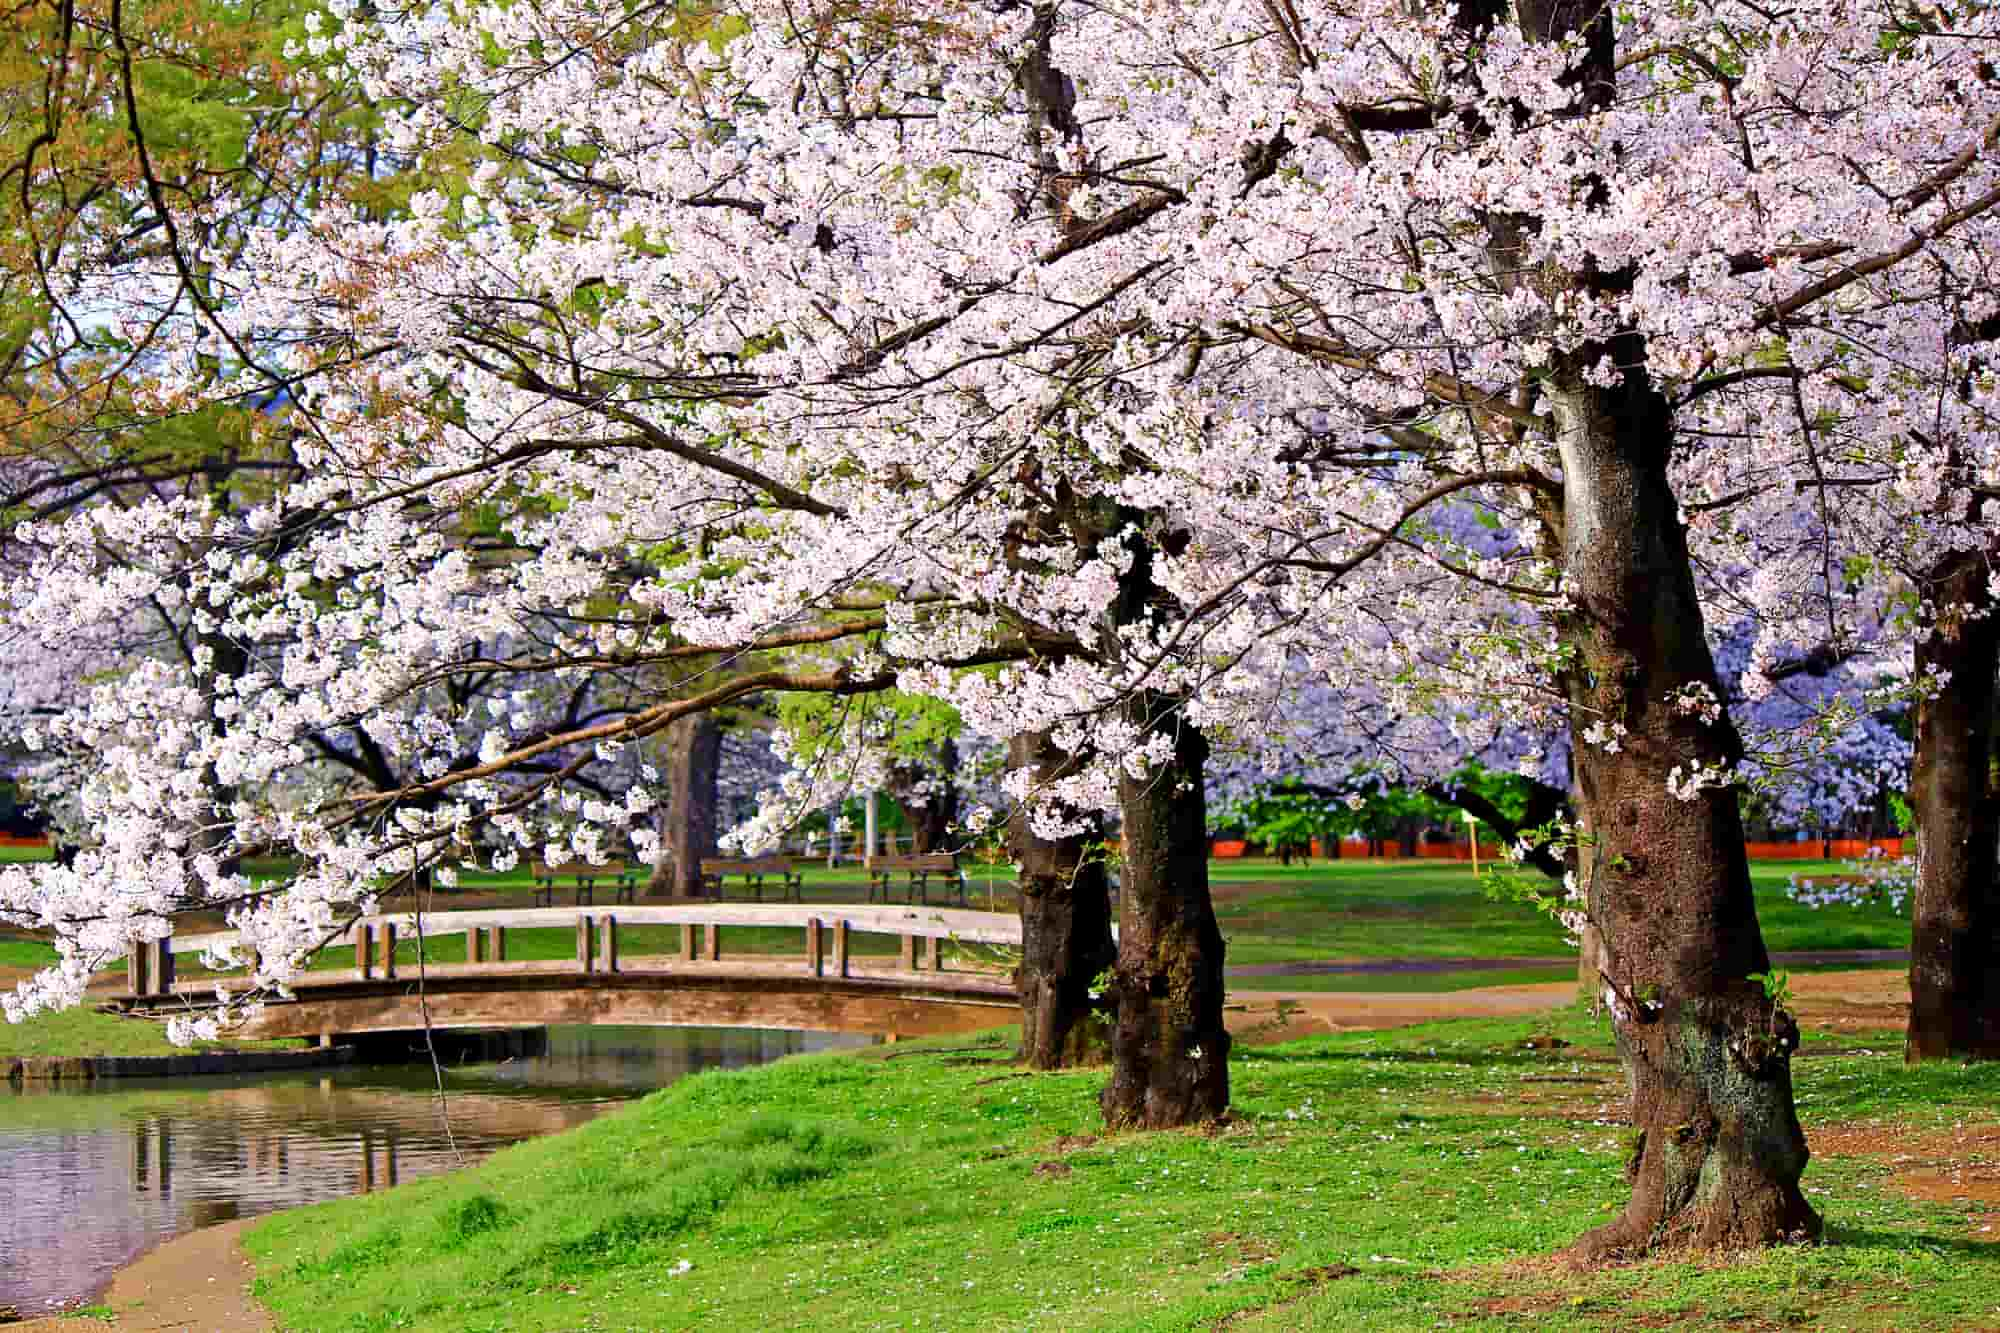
point(582, 877)
point(919, 870)
point(753, 870)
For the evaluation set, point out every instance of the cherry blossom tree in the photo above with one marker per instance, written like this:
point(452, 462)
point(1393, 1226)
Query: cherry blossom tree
point(1121, 352)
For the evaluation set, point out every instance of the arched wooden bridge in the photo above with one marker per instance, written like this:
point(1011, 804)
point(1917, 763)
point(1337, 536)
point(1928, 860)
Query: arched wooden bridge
point(826, 988)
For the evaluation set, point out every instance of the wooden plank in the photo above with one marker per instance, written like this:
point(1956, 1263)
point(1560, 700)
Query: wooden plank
point(932, 962)
point(607, 943)
point(840, 947)
point(364, 949)
point(909, 954)
point(783, 997)
point(389, 949)
point(812, 945)
point(583, 944)
point(498, 935)
point(472, 944)
point(687, 943)
point(136, 971)
point(711, 940)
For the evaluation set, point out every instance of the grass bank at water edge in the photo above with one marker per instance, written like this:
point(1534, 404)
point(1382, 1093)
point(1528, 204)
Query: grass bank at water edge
point(1402, 1180)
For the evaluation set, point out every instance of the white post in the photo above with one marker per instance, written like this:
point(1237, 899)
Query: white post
point(833, 834)
point(869, 845)
point(1472, 828)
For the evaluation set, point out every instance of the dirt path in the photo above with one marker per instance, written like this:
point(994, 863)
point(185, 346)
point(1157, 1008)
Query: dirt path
point(1841, 1000)
point(1379, 966)
point(1263, 1016)
point(198, 1282)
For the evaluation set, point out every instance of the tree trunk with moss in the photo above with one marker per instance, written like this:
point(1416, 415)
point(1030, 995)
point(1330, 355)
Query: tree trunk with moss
point(1955, 915)
point(1170, 1052)
point(1706, 1050)
point(1065, 928)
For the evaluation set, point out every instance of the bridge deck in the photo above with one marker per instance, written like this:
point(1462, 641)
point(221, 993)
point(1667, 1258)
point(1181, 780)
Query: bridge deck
point(825, 988)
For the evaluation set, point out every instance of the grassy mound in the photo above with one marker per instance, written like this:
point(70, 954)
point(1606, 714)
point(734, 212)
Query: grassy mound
point(1370, 1181)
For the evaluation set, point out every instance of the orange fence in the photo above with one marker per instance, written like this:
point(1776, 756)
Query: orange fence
point(1227, 849)
point(1814, 849)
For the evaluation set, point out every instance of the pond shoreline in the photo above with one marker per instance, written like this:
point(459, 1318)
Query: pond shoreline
point(194, 1064)
point(197, 1280)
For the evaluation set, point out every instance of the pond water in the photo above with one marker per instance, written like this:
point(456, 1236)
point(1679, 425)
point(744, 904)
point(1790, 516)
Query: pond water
point(93, 1175)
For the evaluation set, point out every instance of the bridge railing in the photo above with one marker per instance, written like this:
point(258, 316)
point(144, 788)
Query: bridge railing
point(827, 931)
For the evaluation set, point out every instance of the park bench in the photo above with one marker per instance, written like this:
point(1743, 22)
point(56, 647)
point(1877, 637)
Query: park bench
point(919, 870)
point(582, 877)
point(753, 871)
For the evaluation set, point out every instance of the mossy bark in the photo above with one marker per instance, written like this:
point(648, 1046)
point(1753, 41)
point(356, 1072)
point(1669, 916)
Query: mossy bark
point(1170, 1051)
point(1065, 929)
point(1955, 925)
point(1706, 1051)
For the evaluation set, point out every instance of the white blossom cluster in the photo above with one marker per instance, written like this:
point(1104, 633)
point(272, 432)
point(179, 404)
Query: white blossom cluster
point(785, 348)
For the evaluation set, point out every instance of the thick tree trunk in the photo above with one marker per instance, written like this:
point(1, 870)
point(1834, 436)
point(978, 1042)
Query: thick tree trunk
point(1706, 1051)
point(1954, 952)
point(1170, 1052)
point(688, 816)
point(1065, 929)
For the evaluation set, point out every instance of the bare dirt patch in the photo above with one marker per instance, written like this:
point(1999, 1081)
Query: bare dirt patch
point(1852, 1000)
point(1959, 1167)
point(1856, 1000)
point(1263, 1017)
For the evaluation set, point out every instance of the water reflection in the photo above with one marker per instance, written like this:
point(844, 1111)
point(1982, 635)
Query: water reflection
point(93, 1175)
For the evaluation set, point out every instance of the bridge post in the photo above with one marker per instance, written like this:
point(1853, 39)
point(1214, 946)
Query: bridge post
point(931, 960)
point(472, 936)
point(136, 971)
point(583, 944)
point(497, 938)
point(607, 943)
point(389, 950)
point(163, 965)
point(364, 949)
point(909, 953)
point(687, 944)
point(711, 941)
point(840, 947)
point(812, 945)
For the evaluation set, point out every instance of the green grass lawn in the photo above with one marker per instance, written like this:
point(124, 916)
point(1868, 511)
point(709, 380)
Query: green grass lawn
point(1269, 914)
point(1356, 910)
point(24, 951)
point(1369, 1181)
point(84, 1031)
point(1347, 910)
